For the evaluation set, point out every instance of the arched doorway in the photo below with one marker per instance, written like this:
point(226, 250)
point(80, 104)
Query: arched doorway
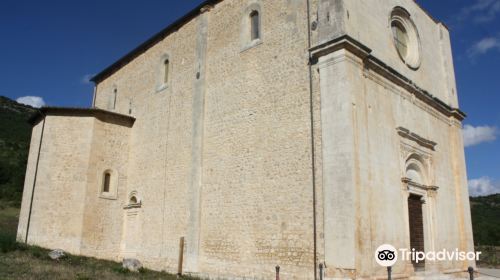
point(420, 203)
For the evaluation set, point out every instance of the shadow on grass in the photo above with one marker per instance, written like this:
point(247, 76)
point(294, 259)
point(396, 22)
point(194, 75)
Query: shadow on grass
point(21, 261)
point(32, 262)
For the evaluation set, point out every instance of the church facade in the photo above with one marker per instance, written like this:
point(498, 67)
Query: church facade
point(256, 133)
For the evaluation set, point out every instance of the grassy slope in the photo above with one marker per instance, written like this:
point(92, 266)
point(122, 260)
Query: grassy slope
point(33, 263)
point(18, 261)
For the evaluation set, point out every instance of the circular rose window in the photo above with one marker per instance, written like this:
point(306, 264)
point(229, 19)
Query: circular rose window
point(405, 37)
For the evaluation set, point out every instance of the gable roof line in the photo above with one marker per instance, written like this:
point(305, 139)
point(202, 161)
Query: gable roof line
point(169, 29)
point(151, 42)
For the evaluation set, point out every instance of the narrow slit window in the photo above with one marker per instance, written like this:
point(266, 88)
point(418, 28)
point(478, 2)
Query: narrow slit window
point(166, 66)
point(115, 95)
point(107, 182)
point(254, 25)
point(112, 101)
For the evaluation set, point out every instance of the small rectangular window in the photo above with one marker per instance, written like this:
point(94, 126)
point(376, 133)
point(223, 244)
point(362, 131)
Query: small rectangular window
point(254, 25)
point(107, 182)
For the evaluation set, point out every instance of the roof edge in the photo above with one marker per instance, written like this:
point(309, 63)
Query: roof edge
point(151, 42)
point(127, 58)
point(81, 112)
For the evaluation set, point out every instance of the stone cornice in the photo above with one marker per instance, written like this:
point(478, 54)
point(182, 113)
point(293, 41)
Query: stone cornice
point(406, 133)
point(103, 115)
point(372, 63)
point(419, 186)
point(342, 42)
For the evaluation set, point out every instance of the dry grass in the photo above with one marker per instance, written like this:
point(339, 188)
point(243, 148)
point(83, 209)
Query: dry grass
point(34, 263)
point(18, 261)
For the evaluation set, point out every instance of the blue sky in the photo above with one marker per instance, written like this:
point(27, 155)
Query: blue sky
point(49, 49)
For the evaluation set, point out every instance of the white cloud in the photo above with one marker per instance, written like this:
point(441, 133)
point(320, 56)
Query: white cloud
point(33, 101)
point(86, 79)
point(490, 14)
point(479, 134)
point(483, 186)
point(479, 5)
point(480, 11)
point(484, 45)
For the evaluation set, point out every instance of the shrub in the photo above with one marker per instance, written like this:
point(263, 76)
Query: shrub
point(121, 270)
point(38, 252)
point(7, 242)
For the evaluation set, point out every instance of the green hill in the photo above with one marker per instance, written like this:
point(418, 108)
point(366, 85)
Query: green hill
point(15, 134)
point(486, 219)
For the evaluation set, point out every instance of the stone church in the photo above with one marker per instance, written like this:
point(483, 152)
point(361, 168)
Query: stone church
point(256, 133)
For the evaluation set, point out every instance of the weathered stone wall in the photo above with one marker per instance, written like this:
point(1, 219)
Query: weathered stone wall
point(363, 157)
point(160, 156)
point(369, 22)
point(257, 174)
point(369, 198)
point(28, 182)
point(381, 170)
point(103, 214)
point(256, 151)
point(58, 204)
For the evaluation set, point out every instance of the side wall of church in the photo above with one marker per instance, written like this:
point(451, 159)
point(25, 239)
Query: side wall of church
point(256, 195)
point(223, 158)
point(159, 166)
